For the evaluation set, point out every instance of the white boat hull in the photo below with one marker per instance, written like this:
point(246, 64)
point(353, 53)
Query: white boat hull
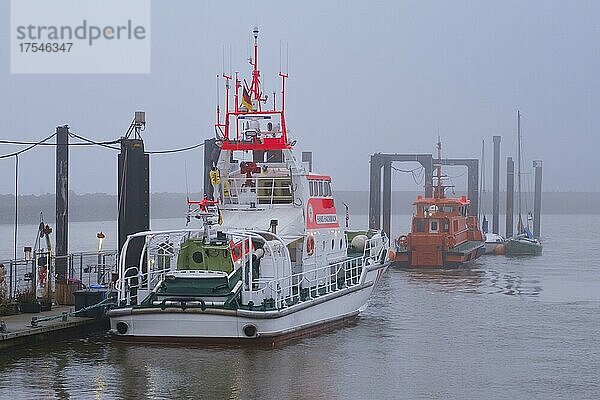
point(223, 324)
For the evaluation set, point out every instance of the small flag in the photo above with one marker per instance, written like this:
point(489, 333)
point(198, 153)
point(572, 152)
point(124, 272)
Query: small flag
point(246, 100)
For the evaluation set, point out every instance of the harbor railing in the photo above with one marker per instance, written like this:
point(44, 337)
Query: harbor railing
point(84, 269)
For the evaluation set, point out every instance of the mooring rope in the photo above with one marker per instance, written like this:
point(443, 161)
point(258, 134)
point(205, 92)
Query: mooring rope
point(65, 315)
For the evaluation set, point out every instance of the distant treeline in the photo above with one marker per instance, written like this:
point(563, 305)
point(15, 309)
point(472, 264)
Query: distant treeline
point(103, 207)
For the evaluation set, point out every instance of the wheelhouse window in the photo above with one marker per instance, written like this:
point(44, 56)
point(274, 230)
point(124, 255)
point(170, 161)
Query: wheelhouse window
point(420, 225)
point(434, 225)
point(320, 188)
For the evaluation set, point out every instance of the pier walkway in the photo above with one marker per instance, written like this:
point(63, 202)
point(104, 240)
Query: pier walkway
point(19, 330)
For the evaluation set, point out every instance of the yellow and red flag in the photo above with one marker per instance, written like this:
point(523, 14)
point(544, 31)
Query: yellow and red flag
point(246, 100)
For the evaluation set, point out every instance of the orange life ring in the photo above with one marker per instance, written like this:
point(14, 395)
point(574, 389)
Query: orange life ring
point(310, 245)
point(403, 241)
point(236, 249)
point(42, 275)
point(391, 255)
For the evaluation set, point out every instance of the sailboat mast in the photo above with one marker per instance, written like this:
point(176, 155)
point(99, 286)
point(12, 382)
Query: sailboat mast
point(481, 201)
point(519, 161)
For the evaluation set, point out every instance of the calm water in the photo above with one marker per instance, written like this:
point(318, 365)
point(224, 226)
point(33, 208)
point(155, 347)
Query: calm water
point(504, 328)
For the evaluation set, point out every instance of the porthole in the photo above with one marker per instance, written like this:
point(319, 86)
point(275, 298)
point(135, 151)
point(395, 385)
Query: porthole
point(197, 257)
point(250, 330)
point(122, 327)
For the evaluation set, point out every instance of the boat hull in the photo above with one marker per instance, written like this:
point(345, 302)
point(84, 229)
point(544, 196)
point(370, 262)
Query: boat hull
point(222, 325)
point(436, 258)
point(523, 247)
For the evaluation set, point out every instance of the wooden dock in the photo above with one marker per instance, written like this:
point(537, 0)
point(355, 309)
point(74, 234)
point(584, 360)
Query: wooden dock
point(21, 332)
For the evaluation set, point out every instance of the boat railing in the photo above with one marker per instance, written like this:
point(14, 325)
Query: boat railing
point(258, 190)
point(159, 257)
point(156, 260)
point(308, 285)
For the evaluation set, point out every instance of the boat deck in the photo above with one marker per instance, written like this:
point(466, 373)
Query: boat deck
point(467, 246)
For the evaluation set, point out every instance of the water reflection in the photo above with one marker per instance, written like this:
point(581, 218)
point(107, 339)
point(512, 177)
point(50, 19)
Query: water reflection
point(477, 278)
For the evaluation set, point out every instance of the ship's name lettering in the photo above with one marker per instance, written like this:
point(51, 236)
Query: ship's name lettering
point(326, 219)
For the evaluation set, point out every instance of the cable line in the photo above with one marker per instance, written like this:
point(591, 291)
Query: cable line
point(16, 153)
point(175, 150)
point(103, 144)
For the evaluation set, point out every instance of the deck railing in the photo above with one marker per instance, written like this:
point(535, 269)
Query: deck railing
point(258, 190)
point(135, 282)
point(317, 282)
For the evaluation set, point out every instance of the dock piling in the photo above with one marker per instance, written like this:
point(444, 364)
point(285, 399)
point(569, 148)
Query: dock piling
point(496, 186)
point(211, 155)
point(375, 192)
point(387, 197)
point(62, 210)
point(133, 194)
point(537, 200)
point(510, 194)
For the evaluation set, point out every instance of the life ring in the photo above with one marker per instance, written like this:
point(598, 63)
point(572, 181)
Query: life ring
point(236, 249)
point(42, 275)
point(403, 241)
point(310, 245)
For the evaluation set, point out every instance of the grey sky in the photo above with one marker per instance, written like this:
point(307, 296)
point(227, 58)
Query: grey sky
point(364, 77)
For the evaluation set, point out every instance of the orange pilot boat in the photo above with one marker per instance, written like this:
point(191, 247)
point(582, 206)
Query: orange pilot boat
point(442, 234)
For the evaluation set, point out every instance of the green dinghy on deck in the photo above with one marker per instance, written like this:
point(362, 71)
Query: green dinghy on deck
point(204, 271)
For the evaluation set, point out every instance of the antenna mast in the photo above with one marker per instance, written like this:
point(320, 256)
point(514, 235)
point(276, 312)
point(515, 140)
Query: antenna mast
point(439, 190)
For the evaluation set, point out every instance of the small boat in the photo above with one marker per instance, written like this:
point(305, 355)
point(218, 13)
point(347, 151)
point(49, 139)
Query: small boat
point(442, 234)
point(270, 259)
point(523, 243)
point(494, 243)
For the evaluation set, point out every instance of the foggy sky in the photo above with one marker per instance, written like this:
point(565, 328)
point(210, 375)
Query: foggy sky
point(364, 77)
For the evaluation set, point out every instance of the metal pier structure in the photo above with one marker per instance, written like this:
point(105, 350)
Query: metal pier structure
point(383, 161)
point(51, 278)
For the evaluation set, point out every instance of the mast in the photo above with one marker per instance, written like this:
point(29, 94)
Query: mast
point(520, 223)
point(255, 86)
point(439, 190)
point(248, 105)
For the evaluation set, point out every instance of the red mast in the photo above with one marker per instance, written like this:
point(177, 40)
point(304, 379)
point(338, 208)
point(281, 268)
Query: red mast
point(257, 137)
